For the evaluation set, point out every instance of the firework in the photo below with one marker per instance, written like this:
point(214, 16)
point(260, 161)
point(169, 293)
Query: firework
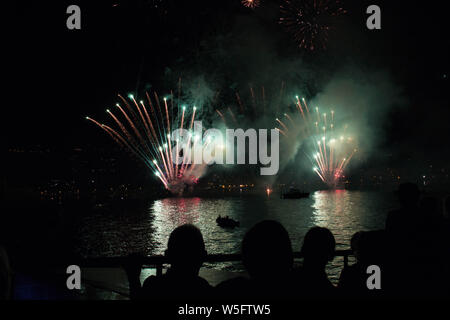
point(252, 4)
point(144, 129)
point(330, 148)
point(310, 21)
point(252, 103)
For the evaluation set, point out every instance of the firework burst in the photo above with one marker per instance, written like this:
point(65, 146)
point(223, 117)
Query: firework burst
point(330, 147)
point(310, 21)
point(144, 129)
point(252, 4)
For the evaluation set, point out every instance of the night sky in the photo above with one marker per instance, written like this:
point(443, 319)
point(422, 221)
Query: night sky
point(58, 76)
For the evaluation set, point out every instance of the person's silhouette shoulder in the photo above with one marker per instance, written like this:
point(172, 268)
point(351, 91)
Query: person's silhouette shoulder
point(369, 249)
point(318, 249)
point(176, 287)
point(185, 253)
point(268, 258)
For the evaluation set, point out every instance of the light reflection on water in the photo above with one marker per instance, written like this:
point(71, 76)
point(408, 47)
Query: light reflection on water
point(343, 212)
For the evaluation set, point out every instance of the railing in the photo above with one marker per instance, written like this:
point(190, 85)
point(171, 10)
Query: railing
point(158, 261)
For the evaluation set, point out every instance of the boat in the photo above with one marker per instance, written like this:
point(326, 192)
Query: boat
point(294, 194)
point(226, 222)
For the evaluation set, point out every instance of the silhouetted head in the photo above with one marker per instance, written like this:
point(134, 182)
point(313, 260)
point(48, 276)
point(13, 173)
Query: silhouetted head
point(267, 250)
point(408, 194)
point(371, 247)
point(186, 249)
point(318, 246)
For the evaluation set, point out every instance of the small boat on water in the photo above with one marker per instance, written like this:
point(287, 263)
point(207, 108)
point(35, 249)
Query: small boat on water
point(226, 222)
point(294, 194)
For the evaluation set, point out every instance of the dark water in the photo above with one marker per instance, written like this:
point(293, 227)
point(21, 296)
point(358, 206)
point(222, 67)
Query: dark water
point(343, 212)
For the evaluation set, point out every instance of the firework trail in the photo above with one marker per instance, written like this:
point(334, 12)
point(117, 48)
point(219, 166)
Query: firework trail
point(232, 116)
point(144, 129)
point(310, 21)
point(252, 104)
point(221, 116)
point(330, 149)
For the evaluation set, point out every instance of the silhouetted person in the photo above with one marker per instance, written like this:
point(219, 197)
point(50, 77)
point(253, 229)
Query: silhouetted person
point(268, 258)
point(318, 249)
point(369, 249)
point(185, 252)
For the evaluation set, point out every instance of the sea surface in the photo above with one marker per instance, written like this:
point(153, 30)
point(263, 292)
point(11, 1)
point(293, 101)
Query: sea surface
point(147, 231)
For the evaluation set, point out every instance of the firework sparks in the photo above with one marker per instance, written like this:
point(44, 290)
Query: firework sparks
point(252, 4)
point(310, 21)
point(330, 149)
point(144, 129)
